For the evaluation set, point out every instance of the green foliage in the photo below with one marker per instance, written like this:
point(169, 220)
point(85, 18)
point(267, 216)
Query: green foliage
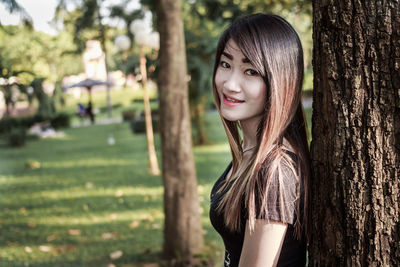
point(46, 105)
point(17, 137)
point(58, 120)
point(138, 126)
point(24, 53)
point(61, 120)
point(8, 123)
point(129, 115)
point(27, 55)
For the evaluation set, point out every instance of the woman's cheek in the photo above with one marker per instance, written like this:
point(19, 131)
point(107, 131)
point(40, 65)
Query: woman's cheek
point(257, 89)
point(219, 80)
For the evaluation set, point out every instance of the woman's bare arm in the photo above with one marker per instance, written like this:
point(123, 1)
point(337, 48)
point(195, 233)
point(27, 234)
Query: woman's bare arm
point(262, 247)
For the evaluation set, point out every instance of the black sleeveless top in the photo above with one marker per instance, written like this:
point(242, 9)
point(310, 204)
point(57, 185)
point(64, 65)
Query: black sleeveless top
point(293, 252)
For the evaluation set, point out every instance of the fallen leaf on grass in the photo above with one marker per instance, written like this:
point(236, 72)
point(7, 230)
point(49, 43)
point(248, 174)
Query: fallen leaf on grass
point(23, 211)
point(155, 226)
point(116, 254)
point(89, 185)
point(85, 207)
point(147, 217)
point(74, 232)
point(113, 216)
point(28, 249)
point(109, 235)
point(111, 265)
point(45, 248)
point(31, 224)
point(134, 224)
point(147, 251)
point(119, 193)
point(51, 238)
point(32, 164)
point(66, 248)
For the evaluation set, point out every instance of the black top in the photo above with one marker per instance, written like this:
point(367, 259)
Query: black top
point(293, 252)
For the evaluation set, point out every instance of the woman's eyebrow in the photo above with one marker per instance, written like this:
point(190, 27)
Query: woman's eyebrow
point(230, 57)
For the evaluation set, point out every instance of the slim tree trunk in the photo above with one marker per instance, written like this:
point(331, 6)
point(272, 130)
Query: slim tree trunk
point(182, 229)
point(356, 134)
point(153, 163)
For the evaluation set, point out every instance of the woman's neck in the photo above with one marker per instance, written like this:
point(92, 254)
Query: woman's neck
point(249, 130)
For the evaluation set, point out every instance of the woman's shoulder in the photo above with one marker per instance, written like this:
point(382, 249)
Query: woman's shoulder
point(279, 190)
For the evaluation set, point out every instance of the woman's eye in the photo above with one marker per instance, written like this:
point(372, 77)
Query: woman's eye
point(251, 72)
point(224, 64)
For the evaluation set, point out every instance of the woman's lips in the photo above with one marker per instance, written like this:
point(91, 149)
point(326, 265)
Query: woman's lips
point(231, 101)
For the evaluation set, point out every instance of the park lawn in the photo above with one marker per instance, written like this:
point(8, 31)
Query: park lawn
point(89, 202)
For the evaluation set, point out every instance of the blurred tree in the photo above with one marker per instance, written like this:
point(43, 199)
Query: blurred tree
point(201, 37)
point(127, 16)
point(88, 15)
point(27, 54)
point(8, 86)
point(128, 61)
point(183, 236)
point(46, 105)
point(356, 134)
point(13, 7)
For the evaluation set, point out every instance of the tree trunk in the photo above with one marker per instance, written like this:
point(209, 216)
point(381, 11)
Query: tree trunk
point(198, 110)
point(182, 230)
point(356, 134)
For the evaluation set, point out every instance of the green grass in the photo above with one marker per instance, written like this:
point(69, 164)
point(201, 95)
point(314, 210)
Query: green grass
point(80, 203)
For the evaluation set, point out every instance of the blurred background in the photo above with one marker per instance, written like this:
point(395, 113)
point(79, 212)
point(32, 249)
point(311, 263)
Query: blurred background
point(75, 186)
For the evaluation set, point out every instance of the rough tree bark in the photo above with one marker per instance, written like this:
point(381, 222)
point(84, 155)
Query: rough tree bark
point(356, 134)
point(182, 229)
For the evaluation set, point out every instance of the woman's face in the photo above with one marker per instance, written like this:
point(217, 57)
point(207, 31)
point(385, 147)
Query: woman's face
point(241, 89)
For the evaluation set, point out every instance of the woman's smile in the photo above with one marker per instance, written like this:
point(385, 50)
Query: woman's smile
point(231, 101)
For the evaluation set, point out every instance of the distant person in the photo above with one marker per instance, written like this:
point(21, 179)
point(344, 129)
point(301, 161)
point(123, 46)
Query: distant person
point(260, 204)
point(81, 111)
point(89, 112)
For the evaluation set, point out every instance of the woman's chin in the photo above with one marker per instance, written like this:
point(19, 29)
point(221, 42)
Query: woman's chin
point(229, 117)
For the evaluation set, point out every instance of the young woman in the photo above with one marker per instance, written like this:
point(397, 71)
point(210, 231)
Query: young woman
point(260, 203)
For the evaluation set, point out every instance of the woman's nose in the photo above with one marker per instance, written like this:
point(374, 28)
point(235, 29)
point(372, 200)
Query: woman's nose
point(232, 83)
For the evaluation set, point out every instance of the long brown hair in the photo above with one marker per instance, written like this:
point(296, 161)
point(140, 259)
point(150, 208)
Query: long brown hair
point(274, 49)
